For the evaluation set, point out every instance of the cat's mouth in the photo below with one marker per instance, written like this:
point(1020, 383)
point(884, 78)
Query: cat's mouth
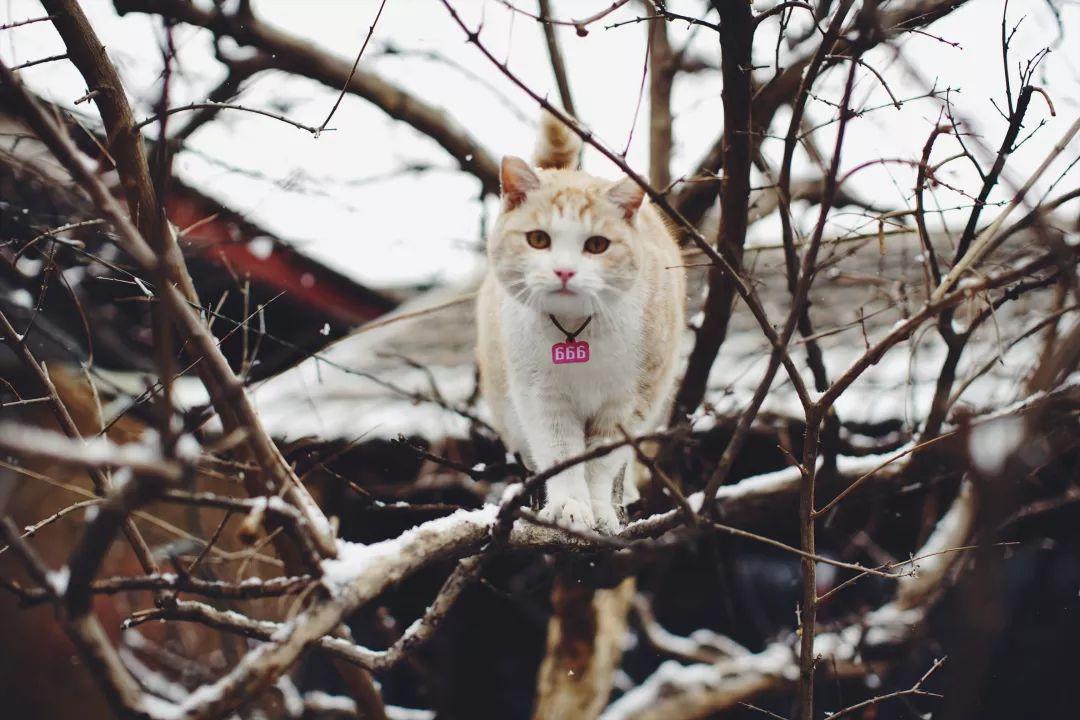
point(570, 301)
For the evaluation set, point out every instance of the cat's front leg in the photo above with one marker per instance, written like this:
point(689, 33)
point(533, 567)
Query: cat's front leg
point(605, 475)
point(601, 476)
point(554, 435)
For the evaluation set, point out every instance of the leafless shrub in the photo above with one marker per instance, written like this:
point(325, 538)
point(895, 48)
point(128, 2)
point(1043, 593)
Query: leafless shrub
point(973, 460)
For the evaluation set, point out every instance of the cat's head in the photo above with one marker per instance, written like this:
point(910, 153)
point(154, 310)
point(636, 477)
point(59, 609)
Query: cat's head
point(565, 242)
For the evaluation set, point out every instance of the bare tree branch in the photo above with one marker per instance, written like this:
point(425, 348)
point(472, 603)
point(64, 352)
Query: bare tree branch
point(67, 424)
point(736, 43)
point(662, 69)
point(226, 389)
point(352, 71)
point(558, 62)
point(293, 54)
point(675, 692)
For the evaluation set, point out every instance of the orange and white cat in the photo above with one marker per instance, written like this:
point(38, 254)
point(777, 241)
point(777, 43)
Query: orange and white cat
point(571, 248)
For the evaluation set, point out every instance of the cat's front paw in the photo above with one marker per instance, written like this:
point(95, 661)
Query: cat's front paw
point(568, 512)
point(607, 518)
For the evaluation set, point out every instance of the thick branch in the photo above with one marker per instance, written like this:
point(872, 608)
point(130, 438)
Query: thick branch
point(736, 44)
point(226, 389)
point(662, 69)
point(558, 62)
point(125, 145)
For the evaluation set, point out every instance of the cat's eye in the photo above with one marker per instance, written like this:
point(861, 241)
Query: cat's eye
point(597, 244)
point(538, 239)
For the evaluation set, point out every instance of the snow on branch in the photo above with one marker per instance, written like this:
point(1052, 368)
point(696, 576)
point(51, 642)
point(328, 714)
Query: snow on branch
point(243, 477)
point(677, 691)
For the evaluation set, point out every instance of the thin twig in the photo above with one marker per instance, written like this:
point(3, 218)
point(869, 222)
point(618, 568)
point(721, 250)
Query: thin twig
point(20, 23)
point(859, 480)
point(579, 25)
point(915, 690)
point(40, 61)
point(224, 106)
point(352, 72)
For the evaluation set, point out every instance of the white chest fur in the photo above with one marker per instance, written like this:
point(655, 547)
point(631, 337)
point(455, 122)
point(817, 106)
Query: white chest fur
point(555, 411)
point(584, 389)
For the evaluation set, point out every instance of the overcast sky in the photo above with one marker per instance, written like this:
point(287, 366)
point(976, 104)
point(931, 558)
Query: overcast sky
point(324, 194)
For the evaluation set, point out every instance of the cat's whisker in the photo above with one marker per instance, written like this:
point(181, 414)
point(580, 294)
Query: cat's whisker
point(605, 315)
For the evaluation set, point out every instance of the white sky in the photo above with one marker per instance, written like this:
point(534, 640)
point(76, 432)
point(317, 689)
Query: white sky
point(425, 227)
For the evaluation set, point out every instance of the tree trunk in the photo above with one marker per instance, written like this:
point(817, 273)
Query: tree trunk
point(584, 648)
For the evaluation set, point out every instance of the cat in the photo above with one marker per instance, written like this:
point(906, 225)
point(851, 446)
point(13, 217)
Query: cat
point(575, 249)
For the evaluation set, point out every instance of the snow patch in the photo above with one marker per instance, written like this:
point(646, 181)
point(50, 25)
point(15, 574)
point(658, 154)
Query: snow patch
point(290, 696)
point(59, 580)
point(992, 443)
point(188, 448)
point(21, 298)
point(671, 677)
point(325, 702)
point(261, 247)
point(393, 712)
point(354, 558)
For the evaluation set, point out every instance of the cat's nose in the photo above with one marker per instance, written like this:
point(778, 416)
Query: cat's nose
point(564, 275)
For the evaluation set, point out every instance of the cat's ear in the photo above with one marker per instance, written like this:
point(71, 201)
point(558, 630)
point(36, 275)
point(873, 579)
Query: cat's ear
point(517, 180)
point(628, 195)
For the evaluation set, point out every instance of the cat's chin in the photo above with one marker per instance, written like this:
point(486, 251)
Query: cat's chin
point(569, 304)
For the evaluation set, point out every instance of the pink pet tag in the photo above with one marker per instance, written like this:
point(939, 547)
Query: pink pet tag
point(571, 351)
